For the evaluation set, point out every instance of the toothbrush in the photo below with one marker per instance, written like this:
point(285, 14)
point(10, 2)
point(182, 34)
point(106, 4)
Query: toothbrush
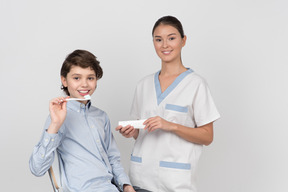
point(86, 97)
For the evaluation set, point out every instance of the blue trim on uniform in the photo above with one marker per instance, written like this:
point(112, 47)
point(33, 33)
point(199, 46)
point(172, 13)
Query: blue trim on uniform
point(161, 96)
point(176, 108)
point(158, 87)
point(186, 166)
point(136, 159)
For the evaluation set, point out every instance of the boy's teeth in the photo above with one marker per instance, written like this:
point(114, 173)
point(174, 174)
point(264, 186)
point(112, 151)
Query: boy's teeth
point(83, 91)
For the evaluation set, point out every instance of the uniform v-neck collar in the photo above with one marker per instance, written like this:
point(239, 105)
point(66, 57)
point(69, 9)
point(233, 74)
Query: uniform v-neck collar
point(161, 96)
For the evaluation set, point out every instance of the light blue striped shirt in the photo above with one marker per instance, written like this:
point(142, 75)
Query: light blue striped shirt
point(88, 155)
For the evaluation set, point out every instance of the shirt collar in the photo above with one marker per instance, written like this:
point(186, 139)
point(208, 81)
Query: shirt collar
point(77, 106)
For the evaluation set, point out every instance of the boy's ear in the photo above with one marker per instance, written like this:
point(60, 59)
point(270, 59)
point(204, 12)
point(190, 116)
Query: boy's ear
point(64, 81)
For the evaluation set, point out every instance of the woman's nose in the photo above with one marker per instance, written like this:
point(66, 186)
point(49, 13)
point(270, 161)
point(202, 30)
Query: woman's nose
point(164, 44)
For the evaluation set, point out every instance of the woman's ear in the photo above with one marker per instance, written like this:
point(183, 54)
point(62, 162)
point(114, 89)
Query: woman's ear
point(64, 81)
point(184, 40)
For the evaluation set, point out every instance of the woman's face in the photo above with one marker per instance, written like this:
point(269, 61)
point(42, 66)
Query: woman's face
point(168, 43)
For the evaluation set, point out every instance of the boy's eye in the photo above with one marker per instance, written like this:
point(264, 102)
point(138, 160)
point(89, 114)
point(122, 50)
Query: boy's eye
point(91, 78)
point(171, 38)
point(76, 78)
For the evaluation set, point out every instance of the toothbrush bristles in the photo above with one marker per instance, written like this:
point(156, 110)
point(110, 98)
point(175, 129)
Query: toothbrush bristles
point(87, 97)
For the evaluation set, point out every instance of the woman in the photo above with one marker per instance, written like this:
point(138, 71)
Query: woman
point(180, 113)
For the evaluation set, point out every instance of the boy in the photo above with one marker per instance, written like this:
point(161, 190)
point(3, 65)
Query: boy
point(80, 133)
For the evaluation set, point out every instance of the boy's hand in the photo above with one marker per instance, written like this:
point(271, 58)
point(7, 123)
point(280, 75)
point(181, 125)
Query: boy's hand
point(128, 188)
point(58, 111)
point(127, 131)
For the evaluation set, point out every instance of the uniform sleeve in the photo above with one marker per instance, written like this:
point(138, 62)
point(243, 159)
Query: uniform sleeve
point(43, 153)
point(113, 153)
point(205, 110)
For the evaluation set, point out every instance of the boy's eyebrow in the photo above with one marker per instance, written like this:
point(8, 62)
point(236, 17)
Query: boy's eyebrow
point(75, 74)
point(92, 74)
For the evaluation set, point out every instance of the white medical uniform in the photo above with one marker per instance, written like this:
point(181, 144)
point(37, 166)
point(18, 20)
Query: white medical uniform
point(161, 160)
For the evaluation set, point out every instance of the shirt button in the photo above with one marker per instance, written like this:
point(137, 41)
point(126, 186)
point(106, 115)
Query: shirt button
point(78, 111)
point(52, 139)
point(42, 155)
point(46, 140)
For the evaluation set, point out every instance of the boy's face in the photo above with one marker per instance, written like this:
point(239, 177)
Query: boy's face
point(80, 82)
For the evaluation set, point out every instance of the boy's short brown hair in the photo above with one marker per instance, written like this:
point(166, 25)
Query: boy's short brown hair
point(83, 59)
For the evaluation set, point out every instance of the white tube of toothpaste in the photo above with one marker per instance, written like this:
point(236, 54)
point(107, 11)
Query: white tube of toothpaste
point(137, 124)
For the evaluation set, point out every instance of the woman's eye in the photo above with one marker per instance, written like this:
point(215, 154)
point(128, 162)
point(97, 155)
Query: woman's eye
point(76, 78)
point(171, 38)
point(91, 78)
point(157, 40)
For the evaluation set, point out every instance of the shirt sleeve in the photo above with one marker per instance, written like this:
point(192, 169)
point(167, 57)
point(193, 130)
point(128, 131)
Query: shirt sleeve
point(43, 153)
point(113, 153)
point(205, 110)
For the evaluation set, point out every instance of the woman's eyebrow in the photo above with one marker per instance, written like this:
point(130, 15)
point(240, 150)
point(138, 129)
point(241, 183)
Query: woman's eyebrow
point(172, 34)
point(168, 35)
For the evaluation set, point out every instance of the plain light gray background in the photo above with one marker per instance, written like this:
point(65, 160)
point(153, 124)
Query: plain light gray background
point(240, 47)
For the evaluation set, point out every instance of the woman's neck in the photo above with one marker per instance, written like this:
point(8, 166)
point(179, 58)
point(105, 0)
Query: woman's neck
point(171, 69)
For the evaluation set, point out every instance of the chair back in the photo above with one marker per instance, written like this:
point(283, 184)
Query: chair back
point(55, 176)
point(53, 180)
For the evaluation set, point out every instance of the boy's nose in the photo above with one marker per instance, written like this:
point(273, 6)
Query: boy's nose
point(84, 83)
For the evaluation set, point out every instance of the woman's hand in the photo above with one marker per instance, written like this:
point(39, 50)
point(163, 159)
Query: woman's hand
point(128, 188)
point(128, 131)
point(201, 135)
point(58, 111)
point(153, 123)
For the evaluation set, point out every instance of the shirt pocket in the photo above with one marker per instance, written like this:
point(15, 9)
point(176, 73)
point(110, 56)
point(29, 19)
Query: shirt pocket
point(175, 176)
point(176, 113)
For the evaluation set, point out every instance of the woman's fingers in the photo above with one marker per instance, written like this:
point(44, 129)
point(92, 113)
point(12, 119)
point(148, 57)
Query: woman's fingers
point(127, 131)
point(153, 121)
point(118, 128)
point(156, 122)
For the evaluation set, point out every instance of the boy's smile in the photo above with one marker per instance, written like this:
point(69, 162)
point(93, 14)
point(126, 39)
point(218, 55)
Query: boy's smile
point(80, 82)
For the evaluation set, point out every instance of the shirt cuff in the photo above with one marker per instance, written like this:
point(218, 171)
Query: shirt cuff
point(121, 182)
point(50, 140)
point(48, 144)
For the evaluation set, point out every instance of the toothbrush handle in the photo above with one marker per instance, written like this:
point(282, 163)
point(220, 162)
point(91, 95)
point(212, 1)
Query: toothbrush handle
point(75, 99)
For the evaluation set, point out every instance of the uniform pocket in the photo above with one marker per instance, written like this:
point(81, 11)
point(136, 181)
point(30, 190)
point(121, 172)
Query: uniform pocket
point(176, 113)
point(175, 177)
point(135, 170)
point(176, 108)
